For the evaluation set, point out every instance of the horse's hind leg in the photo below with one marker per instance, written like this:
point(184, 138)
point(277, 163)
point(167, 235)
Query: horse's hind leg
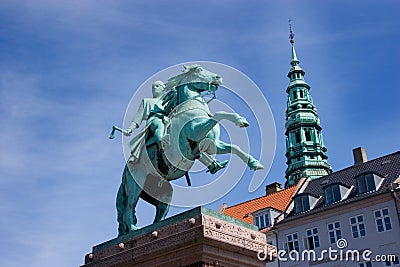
point(225, 148)
point(163, 203)
point(132, 191)
point(161, 211)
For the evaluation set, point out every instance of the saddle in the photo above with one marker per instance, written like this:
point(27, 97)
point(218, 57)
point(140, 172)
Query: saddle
point(157, 157)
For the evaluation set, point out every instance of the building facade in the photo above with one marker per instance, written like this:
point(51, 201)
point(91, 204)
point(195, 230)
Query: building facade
point(354, 211)
point(264, 210)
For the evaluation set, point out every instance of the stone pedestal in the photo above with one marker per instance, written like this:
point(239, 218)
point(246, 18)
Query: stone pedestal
point(198, 237)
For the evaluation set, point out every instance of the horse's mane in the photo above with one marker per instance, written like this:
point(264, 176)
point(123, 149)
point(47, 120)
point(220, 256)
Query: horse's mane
point(170, 99)
point(188, 75)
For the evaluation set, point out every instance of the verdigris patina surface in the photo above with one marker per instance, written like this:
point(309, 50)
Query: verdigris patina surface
point(188, 132)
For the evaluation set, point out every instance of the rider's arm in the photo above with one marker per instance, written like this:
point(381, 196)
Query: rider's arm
point(137, 119)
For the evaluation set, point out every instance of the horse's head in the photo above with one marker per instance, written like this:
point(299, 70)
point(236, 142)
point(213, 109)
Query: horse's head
point(191, 82)
point(199, 78)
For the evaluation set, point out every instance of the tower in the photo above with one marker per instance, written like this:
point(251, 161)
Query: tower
point(305, 149)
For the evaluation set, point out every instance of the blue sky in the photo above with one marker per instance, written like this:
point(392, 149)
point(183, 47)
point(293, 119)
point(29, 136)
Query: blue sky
point(68, 70)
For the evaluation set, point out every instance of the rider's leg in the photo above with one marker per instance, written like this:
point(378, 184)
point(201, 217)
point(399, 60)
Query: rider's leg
point(157, 126)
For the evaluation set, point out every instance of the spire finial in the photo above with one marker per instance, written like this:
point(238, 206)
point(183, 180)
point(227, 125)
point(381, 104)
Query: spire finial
point(291, 35)
point(294, 61)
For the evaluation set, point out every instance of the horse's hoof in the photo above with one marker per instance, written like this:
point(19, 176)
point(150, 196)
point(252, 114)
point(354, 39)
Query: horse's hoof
point(255, 165)
point(216, 166)
point(241, 122)
point(133, 227)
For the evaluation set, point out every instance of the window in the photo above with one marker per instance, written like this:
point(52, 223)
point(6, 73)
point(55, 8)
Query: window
point(312, 239)
point(319, 139)
point(382, 219)
point(294, 95)
point(301, 203)
point(365, 264)
point(332, 194)
point(297, 136)
point(292, 242)
point(301, 93)
point(262, 220)
point(308, 135)
point(367, 182)
point(334, 232)
point(357, 226)
point(393, 263)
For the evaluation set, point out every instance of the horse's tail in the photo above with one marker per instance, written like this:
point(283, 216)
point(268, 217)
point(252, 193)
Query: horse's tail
point(121, 201)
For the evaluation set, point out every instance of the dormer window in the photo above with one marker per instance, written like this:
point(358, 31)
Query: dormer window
point(262, 221)
point(368, 182)
point(303, 202)
point(332, 194)
point(265, 217)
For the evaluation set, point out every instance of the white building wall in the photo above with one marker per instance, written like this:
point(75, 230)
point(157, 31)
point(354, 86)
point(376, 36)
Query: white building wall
point(384, 243)
point(271, 239)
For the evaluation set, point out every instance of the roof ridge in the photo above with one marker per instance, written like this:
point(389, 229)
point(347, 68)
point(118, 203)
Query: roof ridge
point(254, 199)
point(352, 166)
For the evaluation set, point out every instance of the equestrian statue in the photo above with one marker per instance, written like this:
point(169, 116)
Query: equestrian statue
point(179, 130)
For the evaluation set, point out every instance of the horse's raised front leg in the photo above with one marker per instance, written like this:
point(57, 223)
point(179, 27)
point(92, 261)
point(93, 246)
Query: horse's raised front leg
point(200, 127)
point(233, 117)
point(225, 148)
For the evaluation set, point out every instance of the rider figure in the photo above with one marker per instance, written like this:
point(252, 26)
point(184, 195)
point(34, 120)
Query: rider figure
point(151, 109)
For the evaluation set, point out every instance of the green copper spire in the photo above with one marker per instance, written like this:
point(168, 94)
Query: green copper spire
point(294, 61)
point(305, 149)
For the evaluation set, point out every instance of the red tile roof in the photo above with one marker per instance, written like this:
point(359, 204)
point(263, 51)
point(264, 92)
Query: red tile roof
point(277, 200)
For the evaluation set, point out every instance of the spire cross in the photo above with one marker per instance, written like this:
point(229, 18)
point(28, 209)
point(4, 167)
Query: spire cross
point(291, 35)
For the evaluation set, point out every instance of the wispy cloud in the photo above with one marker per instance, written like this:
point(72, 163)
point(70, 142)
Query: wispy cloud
point(69, 68)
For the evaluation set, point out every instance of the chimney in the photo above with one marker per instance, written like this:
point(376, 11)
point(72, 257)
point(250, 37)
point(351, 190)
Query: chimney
point(360, 155)
point(222, 208)
point(272, 188)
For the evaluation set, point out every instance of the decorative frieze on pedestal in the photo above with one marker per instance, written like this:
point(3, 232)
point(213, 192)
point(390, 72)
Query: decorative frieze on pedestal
point(198, 237)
